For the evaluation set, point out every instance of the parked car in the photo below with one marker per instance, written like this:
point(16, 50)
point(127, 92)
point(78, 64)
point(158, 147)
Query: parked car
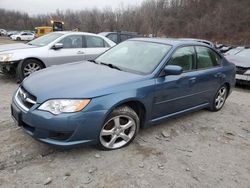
point(137, 83)
point(10, 33)
point(242, 62)
point(3, 32)
point(26, 36)
point(51, 49)
point(234, 51)
point(118, 37)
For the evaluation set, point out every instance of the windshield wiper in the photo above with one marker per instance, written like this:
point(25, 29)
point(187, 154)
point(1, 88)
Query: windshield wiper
point(93, 61)
point(110, 65)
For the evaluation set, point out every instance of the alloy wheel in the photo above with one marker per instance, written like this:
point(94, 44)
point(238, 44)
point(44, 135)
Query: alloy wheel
point(30, 68)
point(117, 132)
point(221, 98)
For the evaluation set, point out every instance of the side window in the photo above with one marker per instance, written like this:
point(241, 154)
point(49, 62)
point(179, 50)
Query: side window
point(72, 41)
point(113, 37)
point(124, 37)
point(184, 57)
point(206, 58)
point(24, 34)
point(95, 42)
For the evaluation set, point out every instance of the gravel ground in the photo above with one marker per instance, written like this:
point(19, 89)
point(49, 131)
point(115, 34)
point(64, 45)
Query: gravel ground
point(201, 149)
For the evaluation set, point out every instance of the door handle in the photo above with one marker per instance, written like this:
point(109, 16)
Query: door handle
point(192, 80)
point(80, 52)
point(218, 75)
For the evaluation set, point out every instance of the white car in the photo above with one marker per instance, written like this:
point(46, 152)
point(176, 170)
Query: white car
point(3, 32)
point(27, 36)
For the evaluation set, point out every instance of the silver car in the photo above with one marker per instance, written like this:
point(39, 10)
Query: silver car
point(242, 63)
point(52, 49)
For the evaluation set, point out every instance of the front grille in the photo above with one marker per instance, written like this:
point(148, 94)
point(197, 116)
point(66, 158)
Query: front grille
point(240, 70)
point(24, 99)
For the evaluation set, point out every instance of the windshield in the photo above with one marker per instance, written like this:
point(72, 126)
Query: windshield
point(135, 56)
point(244, 53)
point(45, 40)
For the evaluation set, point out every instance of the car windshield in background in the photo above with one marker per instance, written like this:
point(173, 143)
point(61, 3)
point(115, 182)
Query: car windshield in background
point(135, 56)
point(45, 40)
point(244, 53)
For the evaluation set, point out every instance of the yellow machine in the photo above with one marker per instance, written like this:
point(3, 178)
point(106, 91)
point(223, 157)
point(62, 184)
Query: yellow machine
point(56, 26)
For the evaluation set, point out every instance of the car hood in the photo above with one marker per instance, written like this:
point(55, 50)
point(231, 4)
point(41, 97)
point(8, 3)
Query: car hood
point(239, 61)
point(17, 46)
point(76, 80)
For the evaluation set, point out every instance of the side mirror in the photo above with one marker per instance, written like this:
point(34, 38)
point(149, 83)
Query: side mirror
point(172, 70)
point(57, 46)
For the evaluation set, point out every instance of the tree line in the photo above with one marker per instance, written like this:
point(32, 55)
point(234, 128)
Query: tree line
point(217, 20)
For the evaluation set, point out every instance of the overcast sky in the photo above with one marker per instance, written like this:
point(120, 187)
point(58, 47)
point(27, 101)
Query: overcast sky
point(45, 6)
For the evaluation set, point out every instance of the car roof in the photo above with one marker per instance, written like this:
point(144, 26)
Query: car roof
point(122, 32)
point(171, 41)
point(75, 32)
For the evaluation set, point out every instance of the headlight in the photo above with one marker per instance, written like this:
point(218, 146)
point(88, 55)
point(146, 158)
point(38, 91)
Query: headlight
point(59, 106)
point(247, 72)
point(5, 57)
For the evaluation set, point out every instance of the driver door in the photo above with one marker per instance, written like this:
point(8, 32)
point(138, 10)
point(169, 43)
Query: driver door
point(176, 93)
point(72, 51)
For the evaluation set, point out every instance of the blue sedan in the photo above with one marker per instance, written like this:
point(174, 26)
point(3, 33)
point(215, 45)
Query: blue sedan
point(137, 83)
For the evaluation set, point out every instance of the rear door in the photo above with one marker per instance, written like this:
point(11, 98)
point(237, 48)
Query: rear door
point(24, 36)
point(94, 46)
point(209, 73)
point(30, 36)
point(72, 51)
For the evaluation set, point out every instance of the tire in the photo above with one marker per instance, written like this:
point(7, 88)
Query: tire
point(27, 67)
point(219, 99)
point(119, 129)
point(18, 38)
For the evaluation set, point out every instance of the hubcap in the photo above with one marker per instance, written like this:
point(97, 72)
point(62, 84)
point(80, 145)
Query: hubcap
point(117, 132)
point(30, 68)
point(221, 97)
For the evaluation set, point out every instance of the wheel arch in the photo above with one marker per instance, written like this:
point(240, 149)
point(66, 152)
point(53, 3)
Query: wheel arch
point(137, 105)
point(35, 58)
point(227, 84)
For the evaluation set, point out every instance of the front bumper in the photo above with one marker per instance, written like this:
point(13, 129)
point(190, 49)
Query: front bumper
point(8, 67)
point(242, 79)
point(64, 130)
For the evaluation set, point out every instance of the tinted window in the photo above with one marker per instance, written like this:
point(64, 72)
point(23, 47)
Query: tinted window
point(95, 42)
point(124, 37)
point(184, 57)
point(206, 58)
point(113, 37)
point(73, 41)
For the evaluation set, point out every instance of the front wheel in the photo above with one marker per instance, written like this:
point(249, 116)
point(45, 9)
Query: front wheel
point(27, 67)
point(18, 38)
point(219, 99)
point(120, 128)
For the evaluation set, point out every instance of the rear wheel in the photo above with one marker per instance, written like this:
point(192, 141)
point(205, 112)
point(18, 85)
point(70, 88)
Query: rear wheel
point(120, 128)
point(27, 67)
point(220, 98)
